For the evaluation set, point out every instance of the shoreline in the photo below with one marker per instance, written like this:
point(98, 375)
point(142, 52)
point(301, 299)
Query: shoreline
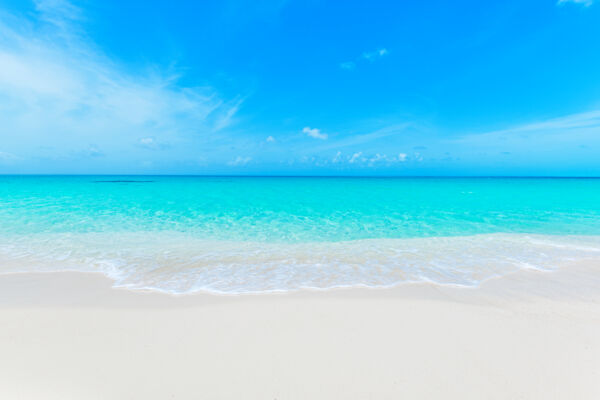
point(178, 264)
point(575, 279)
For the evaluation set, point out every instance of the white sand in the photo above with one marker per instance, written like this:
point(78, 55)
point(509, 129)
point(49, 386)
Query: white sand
point(528, 336)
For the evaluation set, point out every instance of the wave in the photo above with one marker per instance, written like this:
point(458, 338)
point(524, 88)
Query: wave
point(178, 263)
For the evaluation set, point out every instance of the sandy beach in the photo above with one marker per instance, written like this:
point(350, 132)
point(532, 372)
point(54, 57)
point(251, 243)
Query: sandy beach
point(530, 335)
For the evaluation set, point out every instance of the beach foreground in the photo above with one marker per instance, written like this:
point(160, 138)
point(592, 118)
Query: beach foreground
point(528, 335)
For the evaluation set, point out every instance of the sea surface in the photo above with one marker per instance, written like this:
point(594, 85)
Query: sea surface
point(261, 234)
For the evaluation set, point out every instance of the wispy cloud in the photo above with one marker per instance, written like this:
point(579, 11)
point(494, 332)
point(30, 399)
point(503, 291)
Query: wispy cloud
point(355, 157)
point(151, 143)
point(314, 133)
point(270, 139)
point(581, 124)
point(60, 13)
point(348, 65)
point(91, 151)
point(362, 138)
point(239, 160)
point(337, 158)
point(58, 89)
point(225, 115)
point(374, 55)
point(585, 3)
point(7, 157)
point(370, 56)
point(544, 145)
point(374, 159)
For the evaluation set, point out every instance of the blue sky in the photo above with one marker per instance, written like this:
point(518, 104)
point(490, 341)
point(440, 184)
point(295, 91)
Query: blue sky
point(300, 87)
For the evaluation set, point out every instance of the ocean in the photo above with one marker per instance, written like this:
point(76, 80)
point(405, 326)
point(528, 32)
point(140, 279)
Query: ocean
point(259, 234)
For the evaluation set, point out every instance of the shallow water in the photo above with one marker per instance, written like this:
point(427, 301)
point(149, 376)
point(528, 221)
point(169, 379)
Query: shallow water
point(233, 235)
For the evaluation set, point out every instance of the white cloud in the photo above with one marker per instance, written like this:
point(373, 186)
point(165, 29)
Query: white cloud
point(58, 89)
point(355, 157)
point(368, 55)
point(377, 157)
point(239, 160)
point(373, 55)
point(270, 139)
point(586, 3)
point(371, 160)
point(384, 158)
point(337, 158)
point(314, 133)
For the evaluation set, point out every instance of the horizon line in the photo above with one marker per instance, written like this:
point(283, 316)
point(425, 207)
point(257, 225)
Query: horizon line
point(316, 176)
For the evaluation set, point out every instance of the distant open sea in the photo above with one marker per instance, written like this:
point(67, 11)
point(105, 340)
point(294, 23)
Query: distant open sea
point(260, 234)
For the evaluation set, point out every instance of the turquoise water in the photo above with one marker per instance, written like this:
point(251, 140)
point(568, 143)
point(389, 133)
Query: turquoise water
point(234, 234)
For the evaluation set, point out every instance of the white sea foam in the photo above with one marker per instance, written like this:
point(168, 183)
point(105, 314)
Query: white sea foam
point(177, 263)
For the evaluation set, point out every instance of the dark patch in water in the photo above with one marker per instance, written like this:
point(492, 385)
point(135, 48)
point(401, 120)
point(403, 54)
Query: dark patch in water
point(123, 181)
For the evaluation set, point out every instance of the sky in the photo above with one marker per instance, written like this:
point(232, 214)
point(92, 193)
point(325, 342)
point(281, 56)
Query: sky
point(289, 87)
